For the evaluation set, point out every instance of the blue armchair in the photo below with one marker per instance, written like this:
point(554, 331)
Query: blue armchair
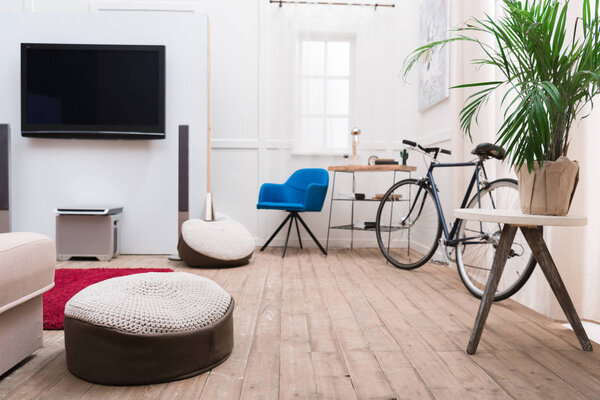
point(304, 191)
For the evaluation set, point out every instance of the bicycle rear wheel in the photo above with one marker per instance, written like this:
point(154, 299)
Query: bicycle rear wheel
point(474, 257)
point(408, 226)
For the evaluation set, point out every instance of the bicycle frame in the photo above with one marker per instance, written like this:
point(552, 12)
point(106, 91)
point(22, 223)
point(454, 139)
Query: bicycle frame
point(450, 235)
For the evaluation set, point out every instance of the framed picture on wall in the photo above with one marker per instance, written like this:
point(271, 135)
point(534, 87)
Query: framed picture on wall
point(434, 73)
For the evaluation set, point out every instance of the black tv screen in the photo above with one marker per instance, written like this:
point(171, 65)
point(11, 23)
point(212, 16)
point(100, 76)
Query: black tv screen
point(92, 91)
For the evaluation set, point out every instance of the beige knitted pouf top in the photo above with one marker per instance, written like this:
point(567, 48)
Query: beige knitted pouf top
point(221, 243)
point(148, 328)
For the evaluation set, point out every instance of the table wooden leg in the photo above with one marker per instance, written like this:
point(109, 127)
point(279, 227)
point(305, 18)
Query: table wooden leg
point(542, 255)
point(502, 251)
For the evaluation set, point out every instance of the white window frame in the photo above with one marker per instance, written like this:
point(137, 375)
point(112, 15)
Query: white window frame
point(301, 77)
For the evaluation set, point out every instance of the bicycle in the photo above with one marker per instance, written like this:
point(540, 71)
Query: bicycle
point(411, 214)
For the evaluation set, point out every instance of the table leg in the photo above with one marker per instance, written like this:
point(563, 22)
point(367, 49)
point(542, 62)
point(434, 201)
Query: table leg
point(352, 213)
point(391, 214)
point(330, 208)
point(542, 255)
point(502, 251)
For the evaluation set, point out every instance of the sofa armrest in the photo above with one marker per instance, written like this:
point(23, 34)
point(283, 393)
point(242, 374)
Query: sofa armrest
point(27, 262)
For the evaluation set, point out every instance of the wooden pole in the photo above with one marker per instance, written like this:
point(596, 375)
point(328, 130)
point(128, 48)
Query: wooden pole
point(210, 209)
point(208, 144)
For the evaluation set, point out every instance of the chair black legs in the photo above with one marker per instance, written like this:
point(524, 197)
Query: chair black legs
point(276, 232)
point(310, 233)
point(298, 231)
point(287, 238)
point(292, 217)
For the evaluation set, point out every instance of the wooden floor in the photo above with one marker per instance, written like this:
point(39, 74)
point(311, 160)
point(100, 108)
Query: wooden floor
point(348, 326)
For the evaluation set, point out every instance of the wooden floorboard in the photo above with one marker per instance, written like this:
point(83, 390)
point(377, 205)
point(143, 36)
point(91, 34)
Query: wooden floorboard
point(347, 326)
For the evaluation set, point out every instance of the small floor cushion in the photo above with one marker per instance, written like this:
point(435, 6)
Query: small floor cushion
point(222, 243)
point(148, 328)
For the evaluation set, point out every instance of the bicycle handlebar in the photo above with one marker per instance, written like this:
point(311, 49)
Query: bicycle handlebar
point(434, 150)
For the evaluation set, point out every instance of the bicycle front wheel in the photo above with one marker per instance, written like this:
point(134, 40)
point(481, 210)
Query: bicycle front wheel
point(408, 226)
point(475, 255)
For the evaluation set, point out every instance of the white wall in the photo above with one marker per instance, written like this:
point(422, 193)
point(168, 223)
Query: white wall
point(244, 154)
point(141, 176)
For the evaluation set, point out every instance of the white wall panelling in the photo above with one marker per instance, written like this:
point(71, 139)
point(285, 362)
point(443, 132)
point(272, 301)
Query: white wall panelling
point(139, 175)
point(244, 152)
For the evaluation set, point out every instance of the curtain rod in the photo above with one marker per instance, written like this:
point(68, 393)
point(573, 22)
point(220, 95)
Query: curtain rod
point(325, 3)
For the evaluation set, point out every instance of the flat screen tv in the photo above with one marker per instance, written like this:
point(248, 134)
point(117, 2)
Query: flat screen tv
point(92, 91)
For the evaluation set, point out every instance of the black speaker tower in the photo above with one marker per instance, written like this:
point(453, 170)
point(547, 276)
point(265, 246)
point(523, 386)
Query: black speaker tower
point(4, 178)
point(184, 175)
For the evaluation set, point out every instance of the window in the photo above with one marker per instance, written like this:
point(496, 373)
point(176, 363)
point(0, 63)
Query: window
point(325, 94)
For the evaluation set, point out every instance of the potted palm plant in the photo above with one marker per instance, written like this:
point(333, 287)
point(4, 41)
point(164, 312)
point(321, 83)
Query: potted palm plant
point(549, 75)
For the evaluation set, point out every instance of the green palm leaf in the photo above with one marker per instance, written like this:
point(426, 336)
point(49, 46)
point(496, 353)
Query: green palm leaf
point(549, 75)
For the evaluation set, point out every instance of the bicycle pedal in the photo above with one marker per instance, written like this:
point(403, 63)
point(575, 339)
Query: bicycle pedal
point(439, 262)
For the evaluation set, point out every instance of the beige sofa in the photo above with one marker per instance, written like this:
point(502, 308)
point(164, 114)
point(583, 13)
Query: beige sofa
point(27, 262)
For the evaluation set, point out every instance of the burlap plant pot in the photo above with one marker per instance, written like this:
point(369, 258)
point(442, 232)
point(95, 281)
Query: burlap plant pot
point(548, 190)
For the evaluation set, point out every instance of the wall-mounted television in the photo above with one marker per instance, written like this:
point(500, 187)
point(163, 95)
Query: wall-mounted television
point(92, 91)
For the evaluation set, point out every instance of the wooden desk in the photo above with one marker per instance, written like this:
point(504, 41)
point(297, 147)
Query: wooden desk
point(528, 224)
point(353, 169)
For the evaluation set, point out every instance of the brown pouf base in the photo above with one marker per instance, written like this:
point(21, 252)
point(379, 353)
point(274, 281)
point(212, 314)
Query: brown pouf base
point(112, 357)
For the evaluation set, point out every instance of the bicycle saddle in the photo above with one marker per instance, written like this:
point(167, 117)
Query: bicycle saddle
point(489, 150)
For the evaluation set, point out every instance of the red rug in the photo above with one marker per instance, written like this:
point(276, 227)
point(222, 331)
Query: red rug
point(68, 282)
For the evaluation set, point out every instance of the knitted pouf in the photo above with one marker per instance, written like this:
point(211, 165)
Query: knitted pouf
point(223, 243)
point(148, 328)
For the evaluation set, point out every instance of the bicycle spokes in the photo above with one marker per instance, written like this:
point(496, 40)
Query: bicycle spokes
point(475, 253)
point(408, 224)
